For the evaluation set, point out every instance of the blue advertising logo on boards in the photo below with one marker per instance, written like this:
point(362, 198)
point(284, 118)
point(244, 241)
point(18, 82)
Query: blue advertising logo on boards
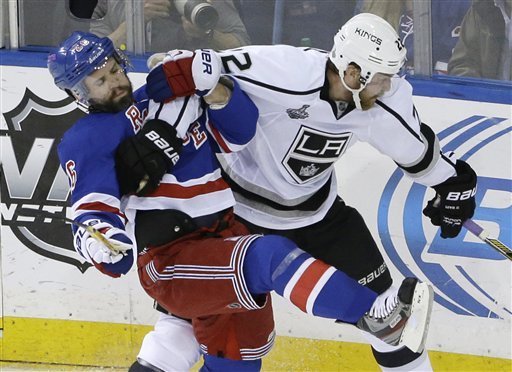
point(443, 261)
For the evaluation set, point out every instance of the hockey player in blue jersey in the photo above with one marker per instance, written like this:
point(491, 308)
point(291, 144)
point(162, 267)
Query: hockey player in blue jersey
point(156, 185)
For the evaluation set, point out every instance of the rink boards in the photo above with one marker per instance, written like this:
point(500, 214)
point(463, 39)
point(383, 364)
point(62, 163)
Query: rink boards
point(57, 309)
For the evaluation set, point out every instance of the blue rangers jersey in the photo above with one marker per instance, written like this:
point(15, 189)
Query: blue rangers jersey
point(87, 155)
point(194, 185)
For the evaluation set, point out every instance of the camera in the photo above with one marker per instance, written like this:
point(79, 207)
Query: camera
point(199, 12)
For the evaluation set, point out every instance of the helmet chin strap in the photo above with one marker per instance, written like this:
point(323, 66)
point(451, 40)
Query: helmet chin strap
point(355, 92)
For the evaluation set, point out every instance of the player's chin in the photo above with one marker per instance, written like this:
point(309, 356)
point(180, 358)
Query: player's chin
point(123, 102)
point(119, 97)
point(112, 105)
point(368, 104)
point(121, 93)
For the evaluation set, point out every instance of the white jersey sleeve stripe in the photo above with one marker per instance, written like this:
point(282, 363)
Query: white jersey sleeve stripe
point(278, 89)
point(400, 119)
point(97, 202)
point(200, 205)
point(428, 159)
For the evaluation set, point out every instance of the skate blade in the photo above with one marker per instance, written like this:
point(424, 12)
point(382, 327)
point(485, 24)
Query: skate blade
point(415, 331)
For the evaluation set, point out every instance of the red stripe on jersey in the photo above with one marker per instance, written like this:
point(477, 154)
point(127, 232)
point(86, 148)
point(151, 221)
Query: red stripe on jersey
point(186, 192)
point(98, 206)
point(304, 286)
point(219, 139)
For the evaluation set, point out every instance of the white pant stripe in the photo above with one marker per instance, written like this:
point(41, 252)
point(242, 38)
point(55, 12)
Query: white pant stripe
point(257, 353)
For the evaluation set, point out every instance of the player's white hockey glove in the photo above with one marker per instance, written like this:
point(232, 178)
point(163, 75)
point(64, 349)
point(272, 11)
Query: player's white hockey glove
point(183, 73)
point(109, 262)
point(454, 202)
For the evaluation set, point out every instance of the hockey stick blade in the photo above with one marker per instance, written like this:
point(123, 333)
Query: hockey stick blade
point(483, 235)
point(29, 212)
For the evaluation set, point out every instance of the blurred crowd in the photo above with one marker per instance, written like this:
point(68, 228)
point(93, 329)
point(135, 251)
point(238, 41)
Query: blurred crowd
point(470, 38)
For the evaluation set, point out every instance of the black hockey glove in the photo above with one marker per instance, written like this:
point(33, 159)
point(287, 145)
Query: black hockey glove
point(454, 201)
point(142, 160)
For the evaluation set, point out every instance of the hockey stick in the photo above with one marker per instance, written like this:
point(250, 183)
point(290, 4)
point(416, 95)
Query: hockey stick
point(483, 235)
point(28, 212)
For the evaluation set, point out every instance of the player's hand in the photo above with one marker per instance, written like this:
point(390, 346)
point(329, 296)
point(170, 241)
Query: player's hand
point(156, 9)
point(142, 160)
point(454, 202)
point(183, 73)
point(192, 30)
point(102, 257)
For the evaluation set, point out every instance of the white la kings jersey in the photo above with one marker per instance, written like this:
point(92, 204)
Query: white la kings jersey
point(285, 177)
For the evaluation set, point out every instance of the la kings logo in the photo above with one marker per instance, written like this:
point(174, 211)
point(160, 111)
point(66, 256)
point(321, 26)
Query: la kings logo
point(32, 176)
point(314, 151)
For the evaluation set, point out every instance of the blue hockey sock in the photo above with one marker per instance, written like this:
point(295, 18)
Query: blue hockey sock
point(216, 364)
point(275, 263)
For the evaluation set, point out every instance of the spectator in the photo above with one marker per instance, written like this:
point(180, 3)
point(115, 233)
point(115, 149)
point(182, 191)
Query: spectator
point(446, 19)
point(301, 20)
point(399, 15)
point(485, 43)
point(55, 20)
point(391, 11)
point(82, 8)
point(167, 29)
point(259, 23)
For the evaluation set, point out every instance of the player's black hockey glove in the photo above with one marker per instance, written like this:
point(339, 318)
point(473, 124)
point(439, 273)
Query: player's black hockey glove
point(454, 201)
point(183, 73)
point(142, 160)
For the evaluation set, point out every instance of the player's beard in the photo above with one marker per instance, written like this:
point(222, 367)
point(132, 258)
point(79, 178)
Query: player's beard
point(369, 96)
point(368, 102)
point(114, 103)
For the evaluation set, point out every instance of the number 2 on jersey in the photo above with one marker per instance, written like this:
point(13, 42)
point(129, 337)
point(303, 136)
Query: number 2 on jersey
point(241, 65)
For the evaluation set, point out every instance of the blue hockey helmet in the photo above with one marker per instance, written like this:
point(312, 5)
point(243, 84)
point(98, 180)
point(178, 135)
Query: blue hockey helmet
point(78, 56)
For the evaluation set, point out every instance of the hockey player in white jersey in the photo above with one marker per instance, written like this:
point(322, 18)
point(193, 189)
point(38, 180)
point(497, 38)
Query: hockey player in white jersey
point(313, 105)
